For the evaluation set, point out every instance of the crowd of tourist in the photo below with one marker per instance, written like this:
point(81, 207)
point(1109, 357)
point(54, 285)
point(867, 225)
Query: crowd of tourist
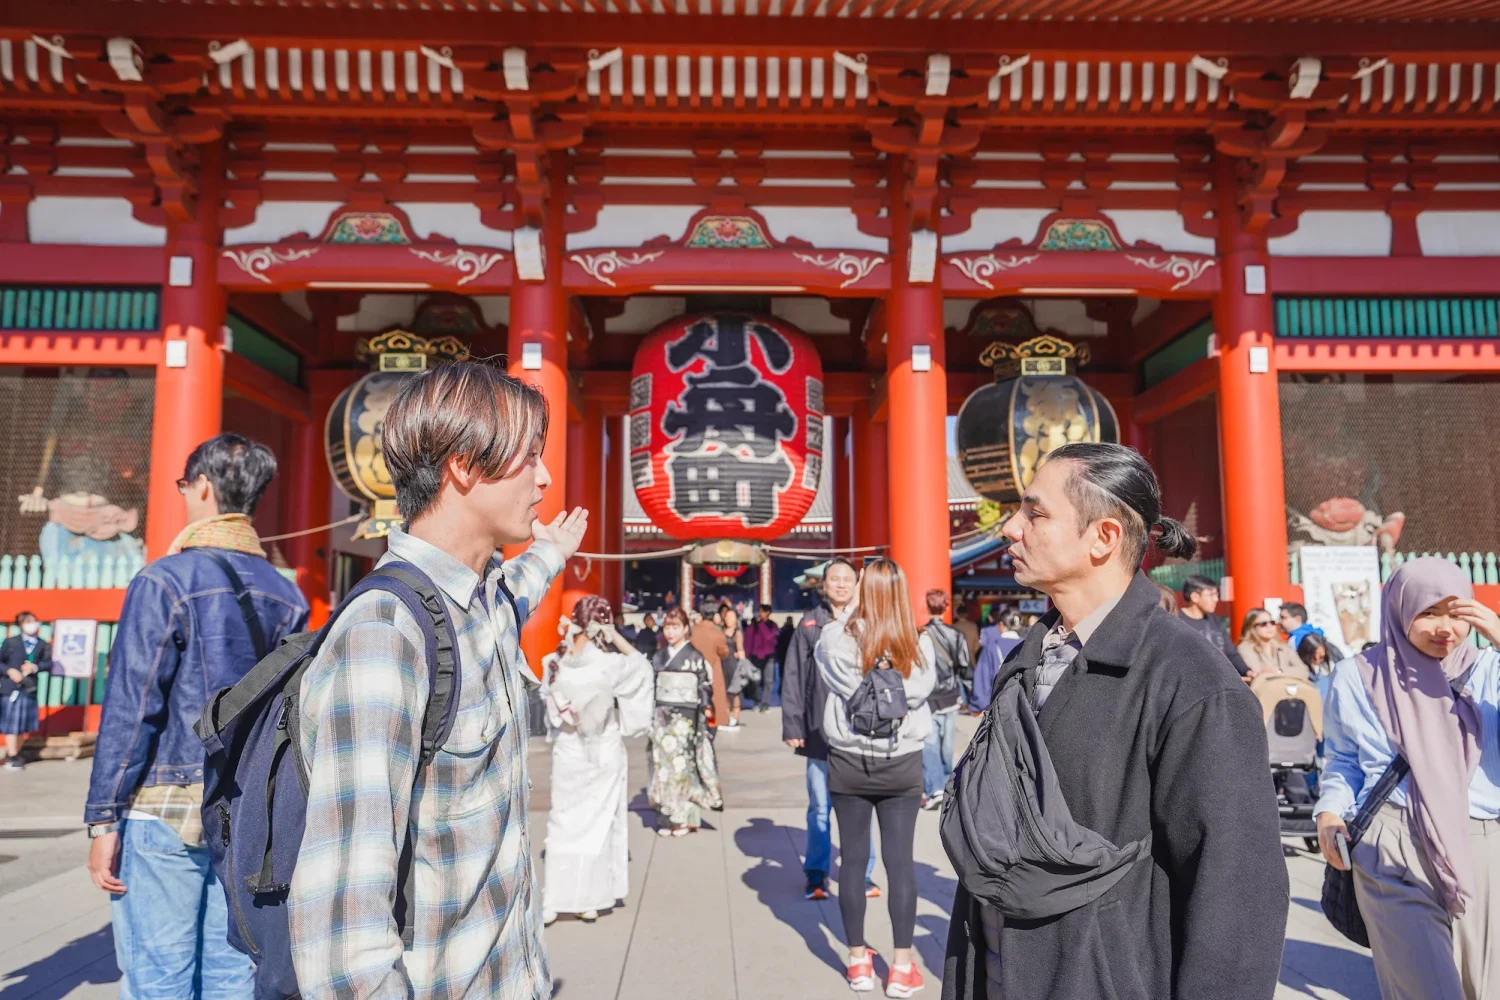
point(1113, 822)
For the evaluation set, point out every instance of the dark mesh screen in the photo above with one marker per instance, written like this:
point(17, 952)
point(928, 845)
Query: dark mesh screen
point(1423, 449)
point(1184, 450)
point(76, 433)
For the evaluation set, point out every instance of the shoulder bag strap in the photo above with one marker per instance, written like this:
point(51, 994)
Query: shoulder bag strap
point(247, 605)
point(1384, 786)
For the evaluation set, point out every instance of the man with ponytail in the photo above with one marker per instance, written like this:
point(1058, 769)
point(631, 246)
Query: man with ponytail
point(1154, 740)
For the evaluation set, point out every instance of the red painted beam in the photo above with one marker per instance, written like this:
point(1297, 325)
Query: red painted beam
point(245, 378)
point(1384, 275)
point(1459, 357)
point(49, 605)
point(843, 391)
point(1199, 379)
point(609, 389)
point(716, 34)
point(1170, 321)
point(270, 314)
point(69, 264)
point(80, 348)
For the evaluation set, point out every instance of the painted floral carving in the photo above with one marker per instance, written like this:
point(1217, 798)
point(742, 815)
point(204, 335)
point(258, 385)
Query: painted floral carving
point(727, 232)
point(366, 228)
point(979, 269)
point(468, 263)
point(1078, 234)
point(1186, 269)
point(852, 266)
point(256, 262)
point(600, 266)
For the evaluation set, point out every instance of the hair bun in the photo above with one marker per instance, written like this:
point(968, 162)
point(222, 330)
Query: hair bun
point(1172, 539)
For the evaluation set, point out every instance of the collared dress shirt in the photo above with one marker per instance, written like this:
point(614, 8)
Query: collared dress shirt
point(477, 915)
point(1061, 645)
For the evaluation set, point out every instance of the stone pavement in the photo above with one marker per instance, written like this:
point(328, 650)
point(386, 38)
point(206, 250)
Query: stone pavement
point(716, 915)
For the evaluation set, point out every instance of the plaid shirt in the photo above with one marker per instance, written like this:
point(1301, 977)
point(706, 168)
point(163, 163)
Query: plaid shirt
point(477, 914)
point(178, 806)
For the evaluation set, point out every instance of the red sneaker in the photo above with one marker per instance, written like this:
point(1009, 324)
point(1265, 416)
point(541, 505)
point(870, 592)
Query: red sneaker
point(904, 982)
point(861, 973)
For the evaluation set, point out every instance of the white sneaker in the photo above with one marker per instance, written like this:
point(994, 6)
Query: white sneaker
point(934, 800)
point(549, 917)
point(589, 916)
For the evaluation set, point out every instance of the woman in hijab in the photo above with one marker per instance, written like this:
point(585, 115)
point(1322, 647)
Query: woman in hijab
point(1427, 871)
point(597, 691)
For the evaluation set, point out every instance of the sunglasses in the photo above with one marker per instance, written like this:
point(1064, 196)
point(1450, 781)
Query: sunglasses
point(1264, 624)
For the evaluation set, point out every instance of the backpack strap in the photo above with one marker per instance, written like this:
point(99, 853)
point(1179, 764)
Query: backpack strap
point(242, 596)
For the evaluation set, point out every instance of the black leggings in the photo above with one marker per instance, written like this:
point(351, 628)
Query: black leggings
point(898, 828)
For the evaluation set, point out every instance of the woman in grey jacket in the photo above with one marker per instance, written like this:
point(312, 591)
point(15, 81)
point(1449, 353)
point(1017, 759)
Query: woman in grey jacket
point(877, 776)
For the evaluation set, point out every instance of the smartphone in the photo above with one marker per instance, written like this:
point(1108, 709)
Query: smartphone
point(1342, 843)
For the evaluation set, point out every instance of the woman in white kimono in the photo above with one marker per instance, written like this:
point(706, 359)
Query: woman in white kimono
point(597, 690)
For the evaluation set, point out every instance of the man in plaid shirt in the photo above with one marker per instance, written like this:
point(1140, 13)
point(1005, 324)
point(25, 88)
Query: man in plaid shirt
point(463, 446)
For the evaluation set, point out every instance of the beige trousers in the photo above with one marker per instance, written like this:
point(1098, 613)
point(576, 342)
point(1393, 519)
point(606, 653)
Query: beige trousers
point(1421, 954)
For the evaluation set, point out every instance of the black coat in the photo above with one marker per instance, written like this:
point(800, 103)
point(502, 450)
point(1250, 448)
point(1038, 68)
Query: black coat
point(1150, 731)
point(13, 654)
point(802, 691)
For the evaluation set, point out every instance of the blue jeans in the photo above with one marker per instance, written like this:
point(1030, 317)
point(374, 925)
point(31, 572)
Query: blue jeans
point(819, 858)
point(171, 924)
point(937, 752)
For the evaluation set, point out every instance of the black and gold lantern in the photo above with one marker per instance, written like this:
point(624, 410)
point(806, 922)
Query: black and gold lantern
point(1036, 404)
point(356, 422)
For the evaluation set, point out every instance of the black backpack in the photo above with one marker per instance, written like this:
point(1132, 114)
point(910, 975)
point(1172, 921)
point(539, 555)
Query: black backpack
point(255, 778)
point(878, 706)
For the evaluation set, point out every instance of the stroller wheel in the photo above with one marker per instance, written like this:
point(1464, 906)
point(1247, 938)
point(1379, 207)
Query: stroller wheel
point(1311, 843)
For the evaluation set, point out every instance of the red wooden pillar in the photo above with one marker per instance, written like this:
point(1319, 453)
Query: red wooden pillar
point(585, 488)
point(539, 317)
point(308, 489)
point(917, 402)
point(190, 378)
point(871, 478)
point(838, 474)
point(1249, 410)
point(612, 517)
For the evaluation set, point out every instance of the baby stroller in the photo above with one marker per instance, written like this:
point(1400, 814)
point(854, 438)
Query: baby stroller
point(1293, 713)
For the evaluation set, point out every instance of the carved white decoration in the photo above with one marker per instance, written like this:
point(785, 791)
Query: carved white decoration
point(258, 261)
point(979, 269)
point(852, 266)
point(468, 263)
point(1186, 269)
point(600, 266)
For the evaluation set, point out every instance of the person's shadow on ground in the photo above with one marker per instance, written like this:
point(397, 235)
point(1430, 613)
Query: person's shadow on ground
point(88, 960)
point(778, 883)
point(1316, 970)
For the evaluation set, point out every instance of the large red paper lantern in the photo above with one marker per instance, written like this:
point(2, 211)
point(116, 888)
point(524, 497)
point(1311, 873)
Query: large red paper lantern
point(726, 426)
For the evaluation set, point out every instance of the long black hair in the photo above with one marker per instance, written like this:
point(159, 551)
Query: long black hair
point(1111, 480)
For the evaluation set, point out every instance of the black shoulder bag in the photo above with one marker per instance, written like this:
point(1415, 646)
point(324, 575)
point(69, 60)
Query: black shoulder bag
point(1339, 904)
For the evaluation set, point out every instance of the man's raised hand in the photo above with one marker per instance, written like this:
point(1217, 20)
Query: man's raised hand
point(565, 530)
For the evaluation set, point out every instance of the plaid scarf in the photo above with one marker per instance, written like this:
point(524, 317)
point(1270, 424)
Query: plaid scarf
point(234, 532)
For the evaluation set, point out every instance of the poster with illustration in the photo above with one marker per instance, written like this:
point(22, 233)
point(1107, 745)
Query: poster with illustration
point(1341, 588)
point(74, 641)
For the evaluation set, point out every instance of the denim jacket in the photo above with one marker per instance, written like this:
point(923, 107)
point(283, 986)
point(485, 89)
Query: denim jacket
point(181, 638)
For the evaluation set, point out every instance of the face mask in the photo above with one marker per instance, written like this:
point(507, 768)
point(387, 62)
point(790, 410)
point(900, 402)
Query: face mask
point(31, 628)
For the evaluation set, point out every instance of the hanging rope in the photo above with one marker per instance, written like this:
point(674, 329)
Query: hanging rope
point(312, 531)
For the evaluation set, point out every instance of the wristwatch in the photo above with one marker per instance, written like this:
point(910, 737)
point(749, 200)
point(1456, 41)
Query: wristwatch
point(97, 830)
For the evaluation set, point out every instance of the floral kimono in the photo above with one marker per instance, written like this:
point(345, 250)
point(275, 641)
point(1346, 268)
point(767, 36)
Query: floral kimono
point(684, 773)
